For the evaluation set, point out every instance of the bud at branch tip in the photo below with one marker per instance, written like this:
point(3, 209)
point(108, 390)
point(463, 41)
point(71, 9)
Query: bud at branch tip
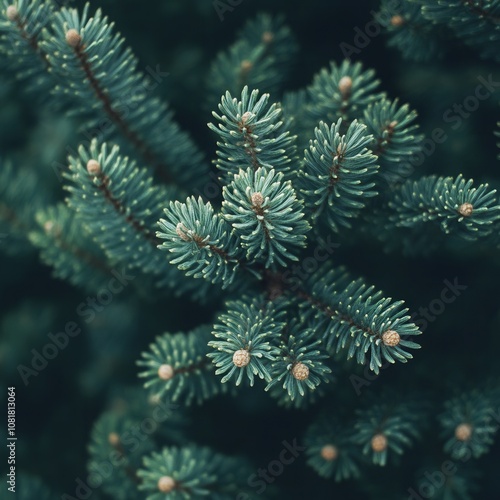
point(73, 38)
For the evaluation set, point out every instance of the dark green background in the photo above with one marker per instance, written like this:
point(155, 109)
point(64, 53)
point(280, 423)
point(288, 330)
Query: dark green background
point(459, 350)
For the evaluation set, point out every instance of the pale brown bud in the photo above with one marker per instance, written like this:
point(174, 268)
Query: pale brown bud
point(246, 116)
point(48, 226)
point(246, 65)
point(463, 432)
point(393, 124)
point(345, 86)
point(73, 38)
point(465, 209)
point(166, 372)
point(397, 20)
point(93, 167)
point(257, 199)
point(379, 442)
point(267, 37)
point(391, 338)
point(166, 484)
point(329, 452)
point(113, 439)
point(241, 358)
point(300, 371)
point(12, 13)
point(181, 231)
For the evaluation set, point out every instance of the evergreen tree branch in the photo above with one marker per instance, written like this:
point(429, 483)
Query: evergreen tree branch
point(91, 64)
point(65, 245)
point(177, 365)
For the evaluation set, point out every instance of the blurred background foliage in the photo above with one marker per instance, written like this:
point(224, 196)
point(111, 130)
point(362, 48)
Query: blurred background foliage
point(57, 409)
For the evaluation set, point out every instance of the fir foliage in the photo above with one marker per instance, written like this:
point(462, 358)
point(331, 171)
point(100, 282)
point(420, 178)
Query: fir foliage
point(252, 134)
point(342, 91)
point(123, 204)
point(331, 450)
point(409, 31)
point(176, 366)
point(294, 170)
point(93, 66)
point(20, 199)
point(453, 205)
point(300, 366)
point(339, 172)
point(385, 430)
point(265, 213)
point(64, 244)
point(310, 398)
point(351, 316)
point(21, 25)
point(82, 62)
point(111, 437)
point(395, 138)
point(199, 241)
point(470, 423)
point(191, 472)
point(246, 338)
point(420, 28)
point(473, 21)
point(260, 58)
